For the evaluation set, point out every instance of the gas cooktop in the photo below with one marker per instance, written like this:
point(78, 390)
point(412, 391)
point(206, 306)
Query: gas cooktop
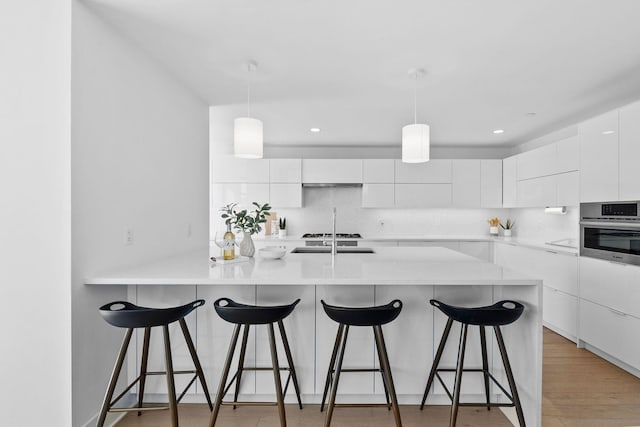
point(329, 235)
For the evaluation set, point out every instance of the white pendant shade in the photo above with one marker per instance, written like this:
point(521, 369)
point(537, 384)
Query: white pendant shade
point(415, 143)
point(247, 138)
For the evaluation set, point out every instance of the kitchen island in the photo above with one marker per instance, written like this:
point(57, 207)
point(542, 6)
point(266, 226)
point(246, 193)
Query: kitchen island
point(413, 275)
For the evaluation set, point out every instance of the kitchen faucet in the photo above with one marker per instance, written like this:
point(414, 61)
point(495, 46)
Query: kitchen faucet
point(333, 244)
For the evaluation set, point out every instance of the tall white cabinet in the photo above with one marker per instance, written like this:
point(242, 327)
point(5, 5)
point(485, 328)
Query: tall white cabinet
point(599, 158)
point(629, 141)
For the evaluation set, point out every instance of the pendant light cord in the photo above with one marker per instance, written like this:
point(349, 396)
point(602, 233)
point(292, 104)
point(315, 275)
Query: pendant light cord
point(249, 91)
point(415, 100)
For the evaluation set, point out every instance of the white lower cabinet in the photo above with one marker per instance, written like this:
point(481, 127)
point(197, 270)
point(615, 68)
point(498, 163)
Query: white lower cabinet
point(478, 250)
point(560, 311)
point(611, 331)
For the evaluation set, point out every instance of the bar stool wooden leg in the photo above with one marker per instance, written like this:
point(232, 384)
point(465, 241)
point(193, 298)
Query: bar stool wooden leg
point(143, 366)
point(510, 379)
point(485, 364)
point(276, 376)
point(243, 352)
point(458, 381)
point(171, 387)
point(384, 379)
point(332, 362)
point(292, 368)
point(106, 404)
point(386, 369)
point(225, 373)
point(436, 361)
point(336, 376)
point(196, 361)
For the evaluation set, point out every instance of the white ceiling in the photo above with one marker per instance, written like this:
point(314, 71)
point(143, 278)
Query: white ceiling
point(341, 65)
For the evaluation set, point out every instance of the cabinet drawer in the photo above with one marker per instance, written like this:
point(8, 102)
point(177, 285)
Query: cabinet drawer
point(560, 310)
point(611, 284)
point(610, 331)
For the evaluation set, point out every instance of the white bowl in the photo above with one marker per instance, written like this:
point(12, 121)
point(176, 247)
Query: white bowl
point(272, 252)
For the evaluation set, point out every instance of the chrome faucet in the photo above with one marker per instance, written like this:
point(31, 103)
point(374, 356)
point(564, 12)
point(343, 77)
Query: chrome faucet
point(334, 246)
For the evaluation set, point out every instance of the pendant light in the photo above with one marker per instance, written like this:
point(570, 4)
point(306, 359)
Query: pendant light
point(415, 137)
point(247, 131)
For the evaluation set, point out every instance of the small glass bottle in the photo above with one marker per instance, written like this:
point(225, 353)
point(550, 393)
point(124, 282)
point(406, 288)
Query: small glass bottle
point(229, 245)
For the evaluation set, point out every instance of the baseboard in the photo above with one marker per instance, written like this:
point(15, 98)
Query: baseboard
point(128, 401)
point(559, 331)
point(619, 363)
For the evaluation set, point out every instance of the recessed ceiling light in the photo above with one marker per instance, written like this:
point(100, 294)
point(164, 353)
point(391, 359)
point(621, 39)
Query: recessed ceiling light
point(315, 130)
point(608, 132)
point(498, 131)
point(531, 114)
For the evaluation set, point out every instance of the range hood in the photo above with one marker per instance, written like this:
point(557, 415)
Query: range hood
point(331, 184)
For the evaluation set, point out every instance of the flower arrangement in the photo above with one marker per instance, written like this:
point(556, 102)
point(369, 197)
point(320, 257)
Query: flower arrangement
point(493, 226)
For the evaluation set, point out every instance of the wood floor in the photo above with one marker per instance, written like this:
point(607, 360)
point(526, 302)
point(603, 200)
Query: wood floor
point(579, 390)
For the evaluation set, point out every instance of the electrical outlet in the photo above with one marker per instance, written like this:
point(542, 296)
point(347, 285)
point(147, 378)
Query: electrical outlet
point(128, 237)
point(381, 223)
point(189, 232)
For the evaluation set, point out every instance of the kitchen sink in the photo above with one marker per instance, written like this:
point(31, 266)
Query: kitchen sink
point(327, 250)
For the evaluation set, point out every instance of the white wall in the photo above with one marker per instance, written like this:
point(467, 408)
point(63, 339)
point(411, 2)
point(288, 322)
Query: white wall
point(140, 162)
point(534, 224)
point(35, 246)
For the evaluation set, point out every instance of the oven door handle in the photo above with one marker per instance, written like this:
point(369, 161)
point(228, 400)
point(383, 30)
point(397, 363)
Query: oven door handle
point(612, 225)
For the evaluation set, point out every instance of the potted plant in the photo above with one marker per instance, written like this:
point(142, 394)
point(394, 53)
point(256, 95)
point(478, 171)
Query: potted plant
point(507, 227)
point(282, 233)
point(249, 222)
point(493, 226)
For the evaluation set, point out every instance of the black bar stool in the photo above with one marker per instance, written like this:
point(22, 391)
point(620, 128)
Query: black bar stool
point(248, 315)
point(360, 316)
point(123, 314)
point(496, 315)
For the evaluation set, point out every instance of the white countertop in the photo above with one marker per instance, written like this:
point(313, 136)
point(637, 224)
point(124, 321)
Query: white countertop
point(387, 266)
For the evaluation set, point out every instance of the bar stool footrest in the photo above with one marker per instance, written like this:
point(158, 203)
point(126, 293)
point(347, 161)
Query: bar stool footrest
point(479, 370)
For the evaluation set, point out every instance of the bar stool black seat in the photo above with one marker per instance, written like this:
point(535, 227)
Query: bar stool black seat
point(123, 314)
point(499, 314)
point(360, 316)
point(248, 315)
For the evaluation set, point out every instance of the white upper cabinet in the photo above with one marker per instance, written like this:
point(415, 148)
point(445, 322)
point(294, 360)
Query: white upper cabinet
point(378, 195)
point(285, 170)
point(630, 152)
point(378, 171)
point(423, 195)
point(466, 183)
point(232, 169)
point(537, 192)
point(539, 162)
point(244, 194)
point(568, 189)
point(491, 183)
point(599, 158)
point(510, 182)
point(568, 155)
point(332, 171)
point(431, 172)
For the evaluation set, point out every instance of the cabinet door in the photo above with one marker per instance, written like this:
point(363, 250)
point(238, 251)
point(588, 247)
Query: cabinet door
point(510, 182)
point(333, 171)
point(568, 189)
point(541, 161)
point(599, 158)
point(285, 195)
point(478, 250)
point(285, 170)
point(630, 152)
point(491, 183)
point(243, 194)
point(560, 310)
point(568, 151)
point(610, 331)
point(232, 169)
point(378, 195)
point(466, 183)
point(537, 192)
point(610, 284)
point(431, 172)
point(423, 195)
point(378, 171)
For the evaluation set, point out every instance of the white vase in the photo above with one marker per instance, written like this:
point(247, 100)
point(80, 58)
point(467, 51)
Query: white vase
point(507, 233)
point(494, 231)
point(282, 233)
point(247, 248)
